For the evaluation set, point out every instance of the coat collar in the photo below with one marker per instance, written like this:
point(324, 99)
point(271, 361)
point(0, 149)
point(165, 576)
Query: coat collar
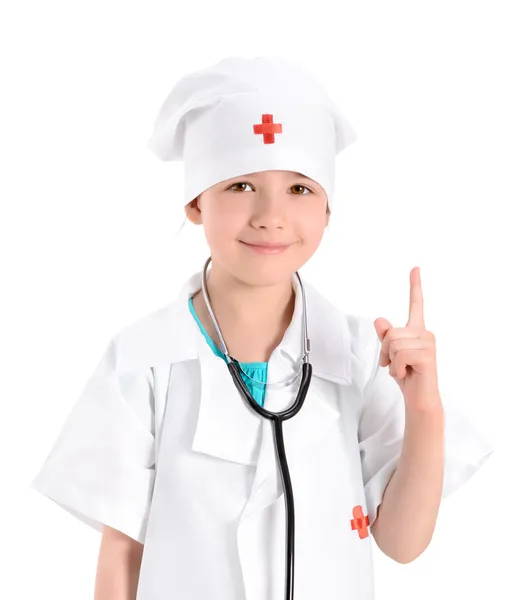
point(171, 335)
point(330, 353)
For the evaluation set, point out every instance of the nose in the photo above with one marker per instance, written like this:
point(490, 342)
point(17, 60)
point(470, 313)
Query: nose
point(269, 212)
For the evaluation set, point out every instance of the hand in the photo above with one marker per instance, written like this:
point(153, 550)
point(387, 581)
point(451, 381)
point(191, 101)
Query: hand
point(411, 352)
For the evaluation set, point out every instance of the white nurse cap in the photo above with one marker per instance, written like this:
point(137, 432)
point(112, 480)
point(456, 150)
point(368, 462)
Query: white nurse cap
point(245, 115)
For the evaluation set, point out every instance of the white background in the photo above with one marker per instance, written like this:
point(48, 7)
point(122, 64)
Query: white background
point(90, 219)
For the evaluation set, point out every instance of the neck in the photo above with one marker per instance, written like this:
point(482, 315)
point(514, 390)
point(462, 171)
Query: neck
point(249, 306)
point(252, 319)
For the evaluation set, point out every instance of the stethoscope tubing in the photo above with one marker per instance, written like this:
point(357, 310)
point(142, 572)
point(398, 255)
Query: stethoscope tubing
point(277, 420)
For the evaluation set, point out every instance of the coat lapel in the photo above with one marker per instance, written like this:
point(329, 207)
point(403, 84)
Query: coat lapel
point(227, 428)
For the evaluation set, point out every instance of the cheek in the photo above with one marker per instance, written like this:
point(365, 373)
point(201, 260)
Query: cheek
point(313, 229)
point(314, 240)
point(221, 228)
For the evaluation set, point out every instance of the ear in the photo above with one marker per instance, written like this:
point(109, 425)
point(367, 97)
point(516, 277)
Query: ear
point(193, 212)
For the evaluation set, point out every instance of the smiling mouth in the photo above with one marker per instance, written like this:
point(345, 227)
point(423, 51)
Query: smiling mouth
point(267, 245)
point(268, 248)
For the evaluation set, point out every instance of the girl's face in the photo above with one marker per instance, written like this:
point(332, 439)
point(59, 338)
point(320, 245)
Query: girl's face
point(267, 207)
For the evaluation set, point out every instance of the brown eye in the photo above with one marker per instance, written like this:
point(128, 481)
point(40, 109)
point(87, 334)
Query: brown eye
point(303, 188)
point(238, 183)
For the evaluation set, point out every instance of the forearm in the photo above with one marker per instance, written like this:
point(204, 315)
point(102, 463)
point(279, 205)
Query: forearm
point(409, 509)
point(118, 567)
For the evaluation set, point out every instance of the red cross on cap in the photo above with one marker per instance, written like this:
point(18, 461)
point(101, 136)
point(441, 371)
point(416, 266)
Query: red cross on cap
point(268, 129)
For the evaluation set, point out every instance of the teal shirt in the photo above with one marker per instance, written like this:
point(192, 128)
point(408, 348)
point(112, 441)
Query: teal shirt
point(256, 370)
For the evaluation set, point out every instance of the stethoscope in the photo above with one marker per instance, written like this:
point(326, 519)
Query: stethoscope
point(276, 420)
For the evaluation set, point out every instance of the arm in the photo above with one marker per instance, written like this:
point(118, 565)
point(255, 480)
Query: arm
point(409, 509)
point(118, 567)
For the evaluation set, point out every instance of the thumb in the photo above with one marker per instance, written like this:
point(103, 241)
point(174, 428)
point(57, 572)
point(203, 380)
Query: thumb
point(382, 326)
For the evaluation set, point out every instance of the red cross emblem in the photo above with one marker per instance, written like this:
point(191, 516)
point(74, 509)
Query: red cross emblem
point(360, 522)
point(267, 128)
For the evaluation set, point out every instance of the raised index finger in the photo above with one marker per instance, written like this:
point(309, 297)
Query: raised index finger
point(416, 318)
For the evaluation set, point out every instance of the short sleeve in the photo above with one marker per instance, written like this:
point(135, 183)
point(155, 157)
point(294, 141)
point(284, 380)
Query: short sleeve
point(101, 467)
point(380, 434)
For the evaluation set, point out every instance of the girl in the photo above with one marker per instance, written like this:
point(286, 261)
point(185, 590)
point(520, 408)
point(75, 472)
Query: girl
point(163, 454)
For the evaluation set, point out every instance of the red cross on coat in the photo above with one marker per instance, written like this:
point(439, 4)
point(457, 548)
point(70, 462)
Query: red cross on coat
point(360, 522)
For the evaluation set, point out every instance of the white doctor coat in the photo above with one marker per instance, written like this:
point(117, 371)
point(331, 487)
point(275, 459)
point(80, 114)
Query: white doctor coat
point(161, 446)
